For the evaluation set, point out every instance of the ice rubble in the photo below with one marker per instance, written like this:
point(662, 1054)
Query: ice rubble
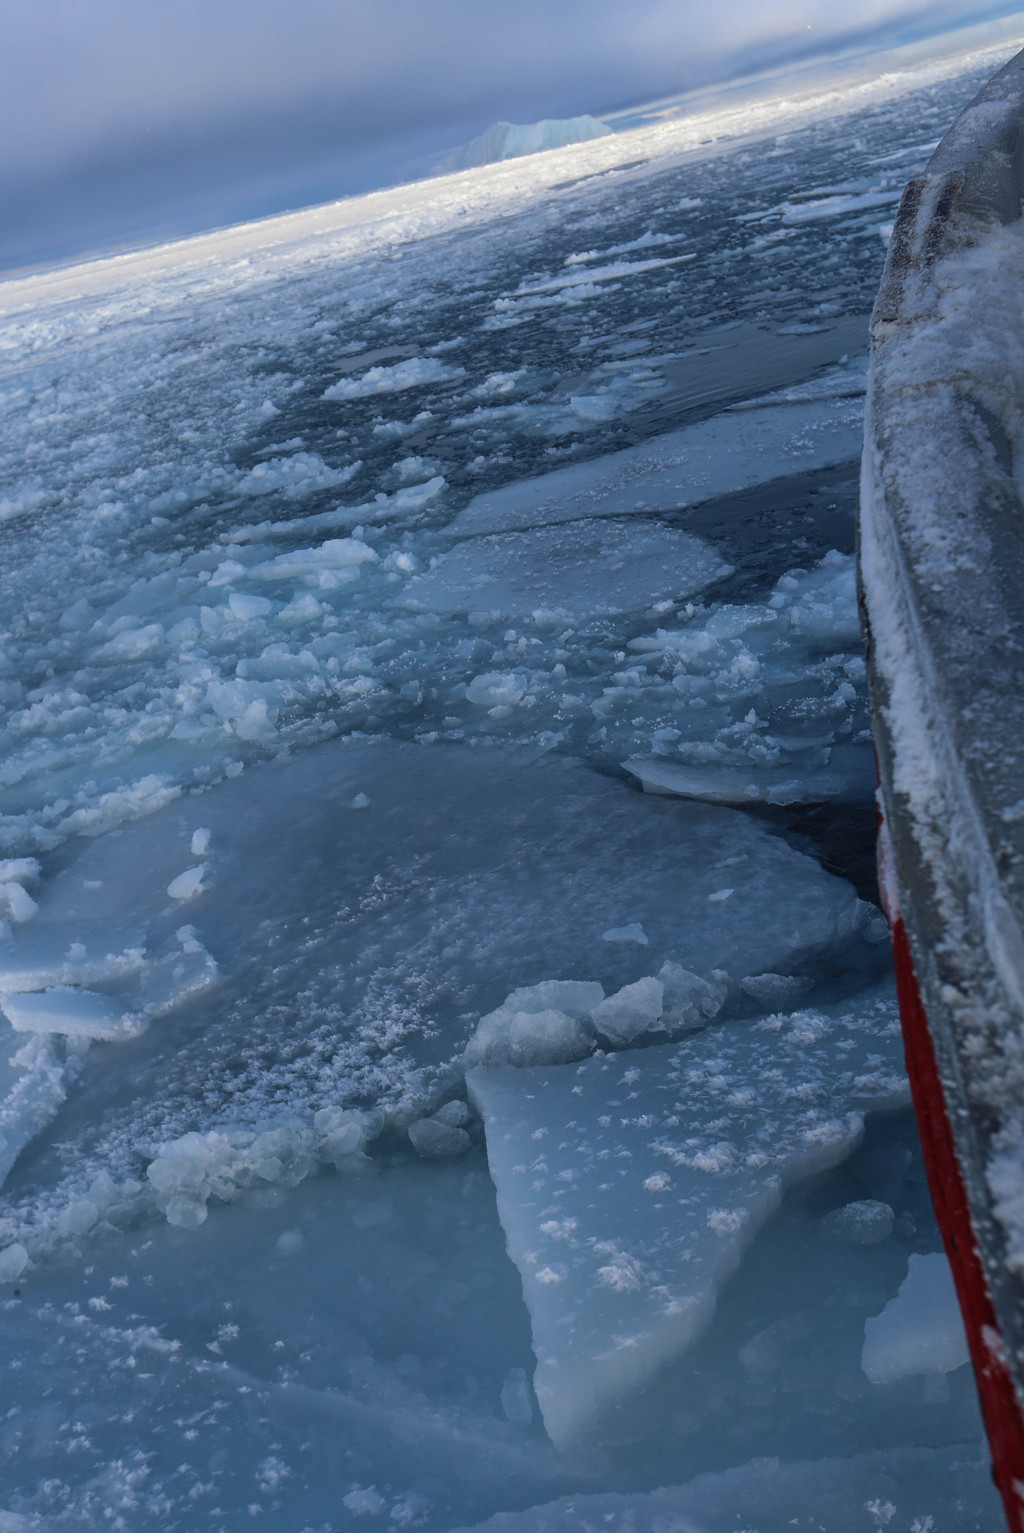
point(509, 140)
point(920, 1331)
point(630, 1185)
point(908, 1490)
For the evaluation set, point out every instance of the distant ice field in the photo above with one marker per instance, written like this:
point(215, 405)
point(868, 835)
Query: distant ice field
point(449, 1066)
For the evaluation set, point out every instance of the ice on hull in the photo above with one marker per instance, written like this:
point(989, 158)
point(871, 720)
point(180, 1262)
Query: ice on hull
point(629, 1186)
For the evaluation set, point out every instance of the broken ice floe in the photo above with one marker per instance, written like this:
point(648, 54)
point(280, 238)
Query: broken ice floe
point(630, 1185)
point(575, 572)
point(388, 951)
point(717, 457)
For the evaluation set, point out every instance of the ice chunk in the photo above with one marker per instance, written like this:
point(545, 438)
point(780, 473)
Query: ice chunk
point(689, 1000)
point(245, 608)
point(13, 1261)
point(776, 992)
point(730, 452)
point(340, 557)
point(865, 1223)
point(723, 784)
point(200, 843)
point(515, 1397)
point(455, 1114)
point(587, 568)
point(189, 883)
point(342, 1135)
point(633, 1010)
point(765, 1352)
point(19, 870)
point(222, 1163)
point(495, 689)
point(511, 1037)
point(73, 1012)
point(537, 1024)
point(634, 932)
point(921, 1330)
point(432, 1137)
point(414, 373)
point(576, 997)
point(294, 477)
point(629, 1187)
point(16, 902)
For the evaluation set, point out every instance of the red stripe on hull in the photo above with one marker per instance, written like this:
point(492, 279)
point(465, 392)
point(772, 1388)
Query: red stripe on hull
point(1000, 1405)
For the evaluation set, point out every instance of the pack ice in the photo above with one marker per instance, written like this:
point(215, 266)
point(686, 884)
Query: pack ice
point(630, 1185)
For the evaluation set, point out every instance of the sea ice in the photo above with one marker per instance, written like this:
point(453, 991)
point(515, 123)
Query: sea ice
point(629, 1186)
point(920, 1331)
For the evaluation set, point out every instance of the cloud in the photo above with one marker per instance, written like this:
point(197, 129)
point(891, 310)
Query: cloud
point(178, 98)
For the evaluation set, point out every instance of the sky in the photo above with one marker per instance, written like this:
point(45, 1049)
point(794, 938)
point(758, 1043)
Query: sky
point(128, 121)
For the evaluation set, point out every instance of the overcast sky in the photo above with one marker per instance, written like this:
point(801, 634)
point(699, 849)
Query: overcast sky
point(128, 120)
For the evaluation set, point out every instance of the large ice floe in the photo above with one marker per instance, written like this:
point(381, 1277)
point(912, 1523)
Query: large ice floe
point(405, 1120)
point(630, 1186)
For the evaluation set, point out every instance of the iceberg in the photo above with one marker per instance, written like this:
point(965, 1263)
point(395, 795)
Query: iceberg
point(509, 140)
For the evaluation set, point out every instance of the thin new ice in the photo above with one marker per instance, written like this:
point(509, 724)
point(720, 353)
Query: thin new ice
point(449, 1063)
